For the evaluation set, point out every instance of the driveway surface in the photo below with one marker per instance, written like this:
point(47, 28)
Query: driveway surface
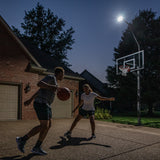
point(113, 142)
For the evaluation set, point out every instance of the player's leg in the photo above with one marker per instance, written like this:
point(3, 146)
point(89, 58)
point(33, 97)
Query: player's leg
point(92, 122)
point(43, 114)
point(21, 141)
point(45, 123)
point(76, 120)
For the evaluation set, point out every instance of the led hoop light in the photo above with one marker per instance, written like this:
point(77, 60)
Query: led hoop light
point(124, 70)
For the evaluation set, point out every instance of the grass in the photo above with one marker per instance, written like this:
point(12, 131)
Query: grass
point(129, 118)
point(145, 121)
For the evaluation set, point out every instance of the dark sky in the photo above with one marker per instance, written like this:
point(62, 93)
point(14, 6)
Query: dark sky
point(94, 21)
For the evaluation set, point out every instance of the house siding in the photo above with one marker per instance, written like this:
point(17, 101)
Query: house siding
point(13, 63)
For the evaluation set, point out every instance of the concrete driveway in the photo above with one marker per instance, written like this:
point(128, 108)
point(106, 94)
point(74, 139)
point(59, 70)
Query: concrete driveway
point(113, 142)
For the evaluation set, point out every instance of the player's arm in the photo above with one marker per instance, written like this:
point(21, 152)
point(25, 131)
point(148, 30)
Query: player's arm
point(26, 103)
point(79, 105)
point(105, 98)
point(45, 85)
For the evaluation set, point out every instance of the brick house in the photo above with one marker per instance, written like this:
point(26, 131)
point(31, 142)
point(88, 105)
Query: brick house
point(20, 70)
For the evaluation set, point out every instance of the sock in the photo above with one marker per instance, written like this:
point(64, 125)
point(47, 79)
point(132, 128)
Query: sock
point(38, 144)
point(25, 138)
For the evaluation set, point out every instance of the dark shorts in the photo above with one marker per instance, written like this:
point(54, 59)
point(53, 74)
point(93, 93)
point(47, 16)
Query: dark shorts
point(43, 111)
point(85, 113)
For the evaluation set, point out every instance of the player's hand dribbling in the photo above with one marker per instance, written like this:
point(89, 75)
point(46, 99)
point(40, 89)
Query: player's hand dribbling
point(58, 89)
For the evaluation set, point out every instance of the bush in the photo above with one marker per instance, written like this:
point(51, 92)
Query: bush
point(101, 113)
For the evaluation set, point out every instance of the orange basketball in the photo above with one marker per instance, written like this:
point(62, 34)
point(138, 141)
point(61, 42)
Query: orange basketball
point(63, 94)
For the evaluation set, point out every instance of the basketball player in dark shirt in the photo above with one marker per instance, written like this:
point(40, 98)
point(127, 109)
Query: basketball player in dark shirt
point(42, 105)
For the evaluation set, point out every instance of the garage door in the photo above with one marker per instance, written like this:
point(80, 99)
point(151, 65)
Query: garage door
point(8, 102)
point(62, 109)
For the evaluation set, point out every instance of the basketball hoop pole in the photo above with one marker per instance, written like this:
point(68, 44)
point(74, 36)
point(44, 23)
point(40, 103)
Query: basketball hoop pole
point(138, 79)
point(138, 86)
point(138, 98)
point(138, 71)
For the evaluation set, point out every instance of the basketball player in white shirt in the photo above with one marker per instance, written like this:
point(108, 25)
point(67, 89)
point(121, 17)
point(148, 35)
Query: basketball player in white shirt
point(87, 103)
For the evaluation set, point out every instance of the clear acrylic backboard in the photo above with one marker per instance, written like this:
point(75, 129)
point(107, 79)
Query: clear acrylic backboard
point(135, 61)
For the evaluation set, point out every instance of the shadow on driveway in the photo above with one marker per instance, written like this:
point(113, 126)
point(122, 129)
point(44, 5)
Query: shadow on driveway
point(74, 141)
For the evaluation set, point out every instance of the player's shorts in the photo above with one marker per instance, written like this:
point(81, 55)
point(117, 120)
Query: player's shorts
point(43, 111)
point(85, 113)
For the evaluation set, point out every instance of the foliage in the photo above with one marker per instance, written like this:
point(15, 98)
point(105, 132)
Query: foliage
point(101, 113)
point(47, 32)
point(145, 26)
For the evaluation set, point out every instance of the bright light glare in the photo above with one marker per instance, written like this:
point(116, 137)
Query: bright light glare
point(120, 18)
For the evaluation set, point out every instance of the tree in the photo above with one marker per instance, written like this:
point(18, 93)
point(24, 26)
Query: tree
point(47, 32)
point(146, 29)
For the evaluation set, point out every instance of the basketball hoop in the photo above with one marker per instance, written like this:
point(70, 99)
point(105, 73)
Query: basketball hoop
point(124, 70)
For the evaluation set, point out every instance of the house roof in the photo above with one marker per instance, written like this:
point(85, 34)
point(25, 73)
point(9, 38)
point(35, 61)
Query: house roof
point(27, 53)
point(45, 60)
point(41, 60)
point(95, 82)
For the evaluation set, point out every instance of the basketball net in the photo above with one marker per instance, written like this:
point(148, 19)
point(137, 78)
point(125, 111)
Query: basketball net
point(124, 70)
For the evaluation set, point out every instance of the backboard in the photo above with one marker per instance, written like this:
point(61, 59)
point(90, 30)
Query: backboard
point(135, 61)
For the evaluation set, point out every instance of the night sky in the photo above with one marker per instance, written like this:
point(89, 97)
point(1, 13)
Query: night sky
point(96, 30)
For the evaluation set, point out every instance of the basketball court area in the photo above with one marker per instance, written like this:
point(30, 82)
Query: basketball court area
point(113, 142)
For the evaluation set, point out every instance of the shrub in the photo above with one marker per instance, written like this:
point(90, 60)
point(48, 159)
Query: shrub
point(101, 113)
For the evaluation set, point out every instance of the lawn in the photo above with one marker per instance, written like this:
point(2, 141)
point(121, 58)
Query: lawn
point(145, 121)
point(129, 118)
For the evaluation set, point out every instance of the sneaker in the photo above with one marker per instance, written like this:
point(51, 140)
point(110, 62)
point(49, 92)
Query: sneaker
point(38, 150)
point(93, 136)
point(67, 134)
point(20, 144)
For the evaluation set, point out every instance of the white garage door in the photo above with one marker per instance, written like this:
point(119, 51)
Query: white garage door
point(8, 102)
point(62, 109)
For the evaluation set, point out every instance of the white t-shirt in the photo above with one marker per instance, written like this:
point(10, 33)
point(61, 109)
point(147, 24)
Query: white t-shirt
point(88, 101)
